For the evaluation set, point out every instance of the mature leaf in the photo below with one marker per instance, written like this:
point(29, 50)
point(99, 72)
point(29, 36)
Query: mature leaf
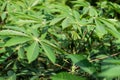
point(75, 58)
point(56, 20)
point(12, 75)
point(12, 33)
point(100, 29)
point(66, 23)
point(48, 51)
point(32, 52)
point(112, 61)
point(92, 12)
point(66, 76)
point(21, 53)
point(111, 72)
point(17, 40)
point(54, 47)
point(110, 27)
point(86, 66)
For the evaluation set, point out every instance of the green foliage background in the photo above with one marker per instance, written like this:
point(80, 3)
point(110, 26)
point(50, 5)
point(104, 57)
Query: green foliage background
point(59, 40)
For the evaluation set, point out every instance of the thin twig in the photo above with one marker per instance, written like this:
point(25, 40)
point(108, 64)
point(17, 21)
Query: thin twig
point(62, 67)
point(104, 57)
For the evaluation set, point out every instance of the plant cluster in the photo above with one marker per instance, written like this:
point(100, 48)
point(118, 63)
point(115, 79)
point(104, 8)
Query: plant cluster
point(59, 40)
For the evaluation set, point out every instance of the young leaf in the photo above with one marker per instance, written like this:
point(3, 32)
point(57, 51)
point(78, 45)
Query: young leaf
point(32, 52)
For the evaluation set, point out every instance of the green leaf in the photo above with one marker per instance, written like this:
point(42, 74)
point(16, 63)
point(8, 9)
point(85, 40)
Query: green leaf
point(86, 66)
point(4, 57)
point(66, 23)
point(100, 29)
point(21, 53)
point(75, 58)
point(54, 47)
point(56, 20)
point(12, 75)
point(111, 72)
point(112, 61)
point(66, 76)
point(3, 16)
point(48, 51)
point(12, 33)
point(17, 40)
point(35, 3)
point(1, 78)
point(75, 35)
point(22, 22)
point(110, 27)
point(92, 12)
point(32, 52)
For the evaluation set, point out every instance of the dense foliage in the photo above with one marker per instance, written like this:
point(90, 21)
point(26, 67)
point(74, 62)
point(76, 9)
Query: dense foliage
point(59, 40)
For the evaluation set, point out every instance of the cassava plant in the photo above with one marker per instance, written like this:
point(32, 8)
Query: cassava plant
point(59, 40)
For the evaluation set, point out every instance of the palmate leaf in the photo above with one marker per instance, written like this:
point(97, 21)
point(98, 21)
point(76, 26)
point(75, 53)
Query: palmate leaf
point(66, 76)
point(12, 33)
point(17, 40)
point(48, 51)
point(110, 27)
point(32, 51)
